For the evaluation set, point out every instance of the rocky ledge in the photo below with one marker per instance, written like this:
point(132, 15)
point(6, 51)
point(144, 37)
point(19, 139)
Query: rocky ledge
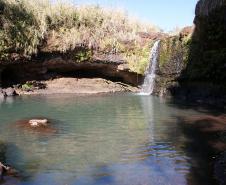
point(63, 75)
point(60, 66)
point(68, 85)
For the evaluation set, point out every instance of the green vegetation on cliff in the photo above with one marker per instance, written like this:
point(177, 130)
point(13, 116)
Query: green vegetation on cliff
point(207, 55)
point(29, 27)
point(174, 49)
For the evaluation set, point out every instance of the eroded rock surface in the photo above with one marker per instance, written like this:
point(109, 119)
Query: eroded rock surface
point(79, 86)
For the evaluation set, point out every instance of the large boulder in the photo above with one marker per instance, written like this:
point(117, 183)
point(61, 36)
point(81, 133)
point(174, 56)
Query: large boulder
point(10, 91)
point(2, 94)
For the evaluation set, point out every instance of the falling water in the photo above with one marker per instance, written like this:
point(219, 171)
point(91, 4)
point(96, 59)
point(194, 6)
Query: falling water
point(149, 81)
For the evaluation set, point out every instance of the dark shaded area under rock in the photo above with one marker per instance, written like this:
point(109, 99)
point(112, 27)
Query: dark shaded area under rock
point(19, 73)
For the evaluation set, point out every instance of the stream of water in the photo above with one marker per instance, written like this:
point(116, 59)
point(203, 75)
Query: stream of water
point(149, 80)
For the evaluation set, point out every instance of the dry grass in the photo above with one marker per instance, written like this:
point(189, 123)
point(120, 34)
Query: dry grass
point(29, 26)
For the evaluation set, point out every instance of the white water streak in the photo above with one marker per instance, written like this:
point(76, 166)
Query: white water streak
point(149, 81)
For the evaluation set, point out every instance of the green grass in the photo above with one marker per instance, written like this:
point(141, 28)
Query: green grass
point(173, 47)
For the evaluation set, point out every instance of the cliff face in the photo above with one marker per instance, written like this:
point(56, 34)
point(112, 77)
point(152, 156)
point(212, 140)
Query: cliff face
point(206, 7)
point(208, 47)
point(200, 59)
point(55, 67)
point(172, 60)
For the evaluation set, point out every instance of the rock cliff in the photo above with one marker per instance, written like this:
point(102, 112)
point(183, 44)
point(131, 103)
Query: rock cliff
point(192, 66)
point(54, 67)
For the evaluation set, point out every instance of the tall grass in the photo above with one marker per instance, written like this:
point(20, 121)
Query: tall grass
point(28, 26)
point(22, 27)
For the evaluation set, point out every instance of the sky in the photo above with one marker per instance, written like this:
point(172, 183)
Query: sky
point(167, 14)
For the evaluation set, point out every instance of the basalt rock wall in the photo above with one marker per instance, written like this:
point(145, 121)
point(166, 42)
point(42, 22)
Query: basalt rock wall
point(20, 72)
point(193, 66)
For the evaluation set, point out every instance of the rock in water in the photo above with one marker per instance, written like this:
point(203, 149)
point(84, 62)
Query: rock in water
point(10, 91)
point(3, 170)
point(38, 125)
point(38, 122)
point(2, 94)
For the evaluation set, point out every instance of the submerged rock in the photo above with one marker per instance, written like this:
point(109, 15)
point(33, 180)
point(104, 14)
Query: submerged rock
point(38, 122)
point(210, 128)
point(7, 171)
point(220, 168)
point(39, 125)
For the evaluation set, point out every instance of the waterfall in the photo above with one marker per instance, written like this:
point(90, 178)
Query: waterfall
point(149, 80)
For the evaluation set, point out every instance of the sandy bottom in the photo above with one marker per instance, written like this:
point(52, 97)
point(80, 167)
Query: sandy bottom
point(80, 86)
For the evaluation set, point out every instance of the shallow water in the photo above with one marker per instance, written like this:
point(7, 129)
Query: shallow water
point(104, 139)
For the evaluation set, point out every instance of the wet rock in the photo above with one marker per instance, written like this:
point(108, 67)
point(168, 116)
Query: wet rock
point(210, 128)
point(10, 91)
point(7, 92)
point(32, 85)
point(38, 122)
point(2, 94)
point(38, 125)
point(220, 168)
point(7, 171)
point(3, 170)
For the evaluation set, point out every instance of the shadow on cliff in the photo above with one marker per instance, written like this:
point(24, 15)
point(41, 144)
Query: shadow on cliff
point(201, 84)
point(203, 78)
point(58, 66)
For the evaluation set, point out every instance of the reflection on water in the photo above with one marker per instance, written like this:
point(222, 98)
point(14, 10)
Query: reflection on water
point(115, 140)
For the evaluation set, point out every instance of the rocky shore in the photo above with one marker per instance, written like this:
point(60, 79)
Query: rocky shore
point(7, 92)
point(75, 86)
point(86, 86)
point(56, 75)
